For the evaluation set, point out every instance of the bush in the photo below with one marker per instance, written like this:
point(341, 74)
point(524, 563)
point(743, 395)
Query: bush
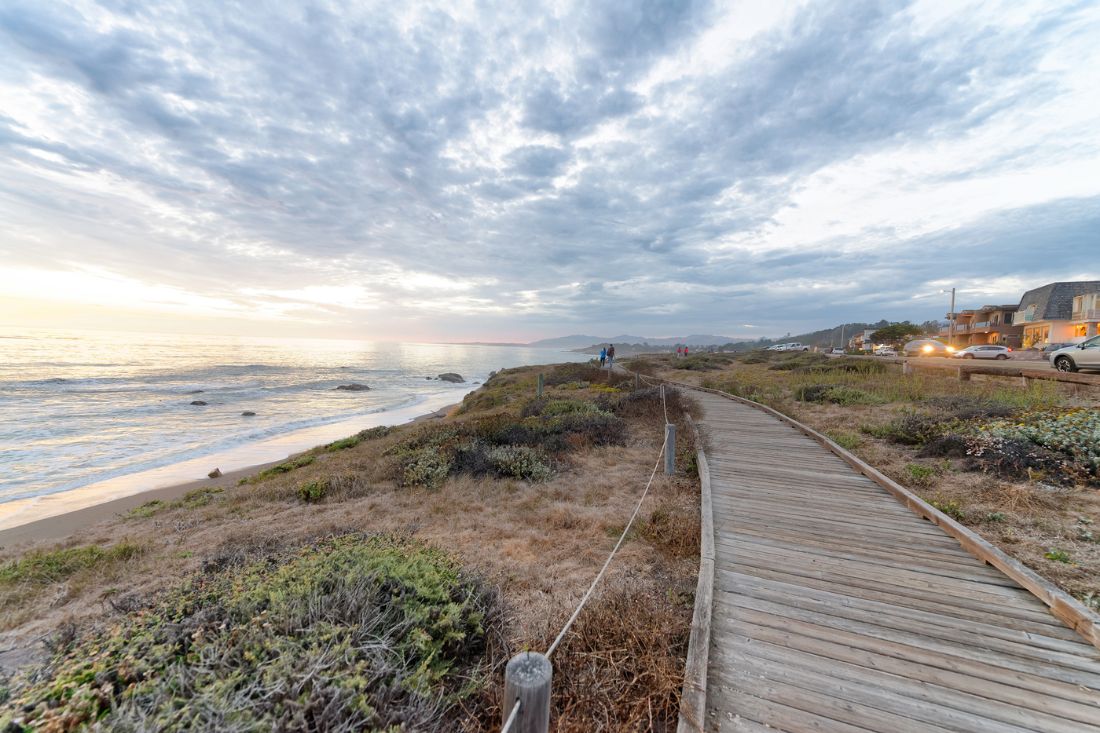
point(313, 492)
point(519, 462)
point(949, 445)
point(41, 567)
point(1020, 458)
point(286, 467)
point(354, 633)
point(578, 372)
point(912, 428)
point(969, 407)
point(950, 507)
point(425, 467)
point(350, 442)
point(837, 394)
point(1074, 434)
point(920, 475)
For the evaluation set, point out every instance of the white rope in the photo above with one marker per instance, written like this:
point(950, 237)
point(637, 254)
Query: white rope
point(511, 718)
point(610, 557)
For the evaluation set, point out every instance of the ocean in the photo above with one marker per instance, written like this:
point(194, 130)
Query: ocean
point(100, 415)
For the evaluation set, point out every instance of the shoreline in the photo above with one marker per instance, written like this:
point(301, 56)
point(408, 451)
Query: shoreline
point(65, 523)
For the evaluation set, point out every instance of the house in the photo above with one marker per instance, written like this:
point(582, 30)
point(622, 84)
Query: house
point(1059, 312)
point(990, 324)
point(862, 341)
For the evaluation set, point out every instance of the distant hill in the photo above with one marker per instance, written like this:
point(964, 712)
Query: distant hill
point(579, 341)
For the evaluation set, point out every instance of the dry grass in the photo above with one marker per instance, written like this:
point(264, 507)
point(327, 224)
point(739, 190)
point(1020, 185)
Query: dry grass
point(540, 544)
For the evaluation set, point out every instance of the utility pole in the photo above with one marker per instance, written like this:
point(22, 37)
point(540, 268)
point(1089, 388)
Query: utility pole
point(842, 326)
point(951, 333)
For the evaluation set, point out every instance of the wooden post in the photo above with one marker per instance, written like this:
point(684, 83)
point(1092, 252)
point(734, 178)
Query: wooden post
point(527, 682)
point(670, 447)
point(964, 376)
point(906, 368)
point(538, 390)
point(637, 381)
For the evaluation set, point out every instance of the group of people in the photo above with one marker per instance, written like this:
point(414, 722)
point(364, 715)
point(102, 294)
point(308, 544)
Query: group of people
point(607, 356)
point(681, 351)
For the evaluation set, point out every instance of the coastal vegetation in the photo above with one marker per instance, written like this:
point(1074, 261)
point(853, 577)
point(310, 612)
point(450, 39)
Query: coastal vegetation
point(1018, 464)
point(382, 581)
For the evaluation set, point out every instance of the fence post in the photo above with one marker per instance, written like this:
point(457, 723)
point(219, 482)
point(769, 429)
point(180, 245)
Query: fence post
point(538, 390)
point(527, 683)
point(637, 381)
point(670, 448)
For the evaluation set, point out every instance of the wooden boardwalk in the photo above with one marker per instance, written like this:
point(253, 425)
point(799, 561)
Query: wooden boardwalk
point(837, 609)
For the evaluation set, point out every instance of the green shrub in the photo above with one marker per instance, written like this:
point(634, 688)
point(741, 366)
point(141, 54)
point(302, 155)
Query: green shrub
point(950, 507)
point(911, 428)
point(380, 431)
point(426, 467)
point(518, 461)
point(286, 467)
point(995, 517)
point(921, 475)
point(845, 439)
point(837, 394)
point(313, 491)
point(41, 567)
point(1058, 556)
point(355, 633)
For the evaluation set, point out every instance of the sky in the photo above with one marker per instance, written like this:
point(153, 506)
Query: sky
point(516, 170)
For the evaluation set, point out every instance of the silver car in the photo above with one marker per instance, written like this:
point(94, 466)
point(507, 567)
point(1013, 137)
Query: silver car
point(1085, 355)
point(983, 351)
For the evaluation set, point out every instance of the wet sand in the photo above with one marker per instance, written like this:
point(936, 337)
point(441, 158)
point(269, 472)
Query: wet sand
point(65, 523)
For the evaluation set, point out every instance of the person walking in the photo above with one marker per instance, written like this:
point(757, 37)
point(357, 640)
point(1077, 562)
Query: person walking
point(685, 352)
point(603, 356)
point(611, 356)
point(679, 351)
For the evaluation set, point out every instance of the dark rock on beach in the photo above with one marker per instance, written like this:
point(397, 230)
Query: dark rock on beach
point(354, 387)
point(215, 473)
point(248, 413)
point(452, 377)
point(198, 402)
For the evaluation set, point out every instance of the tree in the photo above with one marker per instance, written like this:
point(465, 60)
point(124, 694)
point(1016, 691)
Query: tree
point(896, 332)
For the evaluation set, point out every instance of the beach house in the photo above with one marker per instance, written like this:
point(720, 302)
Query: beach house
point(990, 324)
point(1059, 312)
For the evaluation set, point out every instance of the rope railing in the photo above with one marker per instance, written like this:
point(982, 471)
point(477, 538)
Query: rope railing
point(527, 676)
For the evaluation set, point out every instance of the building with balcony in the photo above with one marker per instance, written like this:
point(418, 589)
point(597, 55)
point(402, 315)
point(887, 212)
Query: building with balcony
point(1059, 313)
point(990, 324)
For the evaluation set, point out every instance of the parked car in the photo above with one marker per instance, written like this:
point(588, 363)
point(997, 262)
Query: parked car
point(886, 351)
point(795, 346)
point(837, 350)
point(927, 347)
point(1051, 348)
point(1085, 355)
point(983, 351)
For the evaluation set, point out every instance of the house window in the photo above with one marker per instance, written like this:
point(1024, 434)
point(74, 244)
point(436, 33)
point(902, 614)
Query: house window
point(1080, 329)
point(1008, 318)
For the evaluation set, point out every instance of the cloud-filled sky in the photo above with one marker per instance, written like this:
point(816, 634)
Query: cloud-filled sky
point(514, 170)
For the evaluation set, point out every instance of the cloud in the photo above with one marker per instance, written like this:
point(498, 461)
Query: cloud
point(651, 166)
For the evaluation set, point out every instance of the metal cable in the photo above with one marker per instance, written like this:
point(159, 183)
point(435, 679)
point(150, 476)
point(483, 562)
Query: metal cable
point(610, 557)
point(512, 718)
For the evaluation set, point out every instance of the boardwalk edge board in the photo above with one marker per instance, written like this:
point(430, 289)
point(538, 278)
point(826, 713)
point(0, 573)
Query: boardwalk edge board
point(1062, 605)
point(693, 697)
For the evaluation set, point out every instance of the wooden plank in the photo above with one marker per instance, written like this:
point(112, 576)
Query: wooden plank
point(748, 622)
point(1079, 670)
point(1000, 693)
point(918, 699)
point(693, 696)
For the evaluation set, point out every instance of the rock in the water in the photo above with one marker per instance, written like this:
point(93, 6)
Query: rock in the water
point(248, 413)
point(429, 378)
point(452, 377)
point(198, 402)
point(215, 473)
point(196, 391)
point(353, 387)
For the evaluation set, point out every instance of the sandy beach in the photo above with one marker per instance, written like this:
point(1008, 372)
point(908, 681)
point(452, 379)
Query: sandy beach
point(49, 525)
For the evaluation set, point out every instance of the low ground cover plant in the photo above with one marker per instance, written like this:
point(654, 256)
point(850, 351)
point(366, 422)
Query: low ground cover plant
point(350, 633)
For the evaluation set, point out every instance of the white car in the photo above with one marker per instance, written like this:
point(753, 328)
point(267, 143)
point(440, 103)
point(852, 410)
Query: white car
point(1085, 355)
point(983, 351)
point(793, 346)
point(885, 351)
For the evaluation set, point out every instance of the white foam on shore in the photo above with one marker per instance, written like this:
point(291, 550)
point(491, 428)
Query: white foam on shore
point(31, 509)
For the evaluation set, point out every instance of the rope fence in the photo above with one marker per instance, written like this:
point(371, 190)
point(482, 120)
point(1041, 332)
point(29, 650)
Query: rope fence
point(527, 676)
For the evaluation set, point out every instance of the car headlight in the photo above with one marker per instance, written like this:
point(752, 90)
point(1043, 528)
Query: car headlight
point(927, 348)
point(951, 349)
